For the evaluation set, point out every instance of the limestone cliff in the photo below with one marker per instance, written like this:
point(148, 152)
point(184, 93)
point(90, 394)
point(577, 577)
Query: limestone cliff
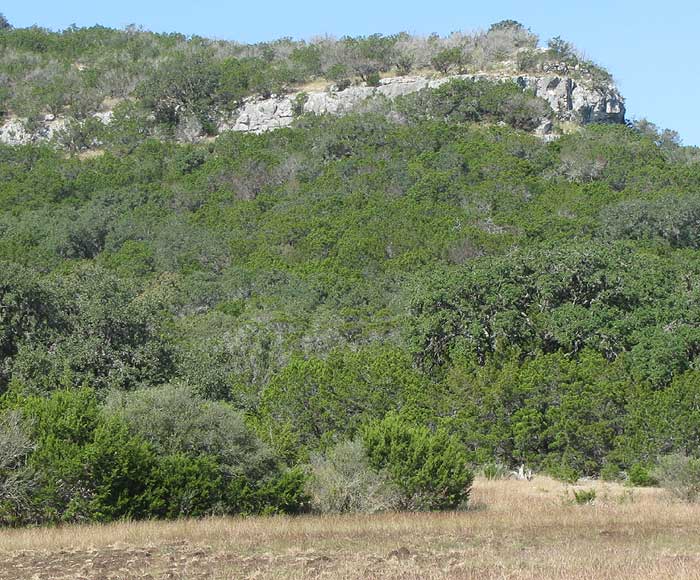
point(570, 100)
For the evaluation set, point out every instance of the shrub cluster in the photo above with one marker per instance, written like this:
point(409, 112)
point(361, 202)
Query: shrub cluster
point(66, 459)
point(468, 101)
point(395, 465)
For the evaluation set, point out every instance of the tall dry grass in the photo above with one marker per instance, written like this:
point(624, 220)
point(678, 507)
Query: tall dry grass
point(515, 529)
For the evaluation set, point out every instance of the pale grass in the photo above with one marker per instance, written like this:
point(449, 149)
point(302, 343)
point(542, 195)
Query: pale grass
point(320, 85)
point(314, 86)
point(91, 153)
point(515, 529)
point(569, 127)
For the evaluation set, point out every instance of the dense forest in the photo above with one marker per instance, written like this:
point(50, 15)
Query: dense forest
point(404, 296)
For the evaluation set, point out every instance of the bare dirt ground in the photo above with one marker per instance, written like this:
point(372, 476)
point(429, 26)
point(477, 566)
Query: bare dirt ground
point(515, 530)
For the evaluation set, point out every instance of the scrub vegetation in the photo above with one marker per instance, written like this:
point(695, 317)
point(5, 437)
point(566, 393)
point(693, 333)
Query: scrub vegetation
point(354, 313)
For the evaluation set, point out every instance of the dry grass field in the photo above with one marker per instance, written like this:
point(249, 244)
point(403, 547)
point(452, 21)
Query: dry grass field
point(515, 529)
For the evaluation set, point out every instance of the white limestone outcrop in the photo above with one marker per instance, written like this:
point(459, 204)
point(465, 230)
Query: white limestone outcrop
point(569, 99)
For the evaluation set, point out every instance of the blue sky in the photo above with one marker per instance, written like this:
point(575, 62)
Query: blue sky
point(650, 47)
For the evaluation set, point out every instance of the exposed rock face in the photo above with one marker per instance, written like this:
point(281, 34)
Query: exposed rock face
point(569, 99)
point(572, 101)
point(15, 132)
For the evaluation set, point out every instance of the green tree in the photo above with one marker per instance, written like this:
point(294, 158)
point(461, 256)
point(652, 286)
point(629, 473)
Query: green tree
point(430, 468)
point(317, 399)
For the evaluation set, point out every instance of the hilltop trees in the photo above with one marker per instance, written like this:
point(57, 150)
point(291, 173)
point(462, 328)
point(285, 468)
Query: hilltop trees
point(181, 80)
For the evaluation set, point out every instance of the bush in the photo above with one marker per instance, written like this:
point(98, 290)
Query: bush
point(212, 462)
point(175, 420)
point(16, 481)
point(511, 25)
point(185, 83)
point(610, 472)
point(680, 475)
point(429, 467)
point(373, 79)
point(298, 103)
point(119, 470)
point(76, 463)
point(186, 486)
point(529, 60)
point(105, 333)
point(672, 219)
point(468, 101)
point(84, 468)
point(584, 496)
point(28, 311)
point(640, 475)
point(337, 394)
point(563, 472)
point(448, 58)
point(283, 494)
point(343, 481)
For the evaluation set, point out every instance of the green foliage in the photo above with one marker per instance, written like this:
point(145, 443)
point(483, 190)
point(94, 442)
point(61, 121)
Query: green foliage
point(186, 486)
point(669, 219)
point(506, 25)
point(373, 79)
point(119, 473)
point(430, 468)
point(181, 326)
point(563, 50)
point(77, 70)
point(680, 475)
point(569, 298)
point(640, 475)
point(83, 468)
point(69, 461)
point(315, 398)
point(610, 472)
point(104, 334)
point(176, 421)
point(285, 494)
point(184, 83)
point(26, 312)
point(299, 102)
point(449, 58)
point(368, 56)
point(584, 496)
point(463, 100)
point(16, 479)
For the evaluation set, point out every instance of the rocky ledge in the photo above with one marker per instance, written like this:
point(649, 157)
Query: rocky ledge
point(570, 100)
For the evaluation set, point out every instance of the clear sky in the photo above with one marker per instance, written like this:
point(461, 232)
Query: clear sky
point(650, 46)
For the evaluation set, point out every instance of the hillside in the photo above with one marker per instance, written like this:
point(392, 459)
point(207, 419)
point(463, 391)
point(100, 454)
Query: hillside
point(352, 312)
